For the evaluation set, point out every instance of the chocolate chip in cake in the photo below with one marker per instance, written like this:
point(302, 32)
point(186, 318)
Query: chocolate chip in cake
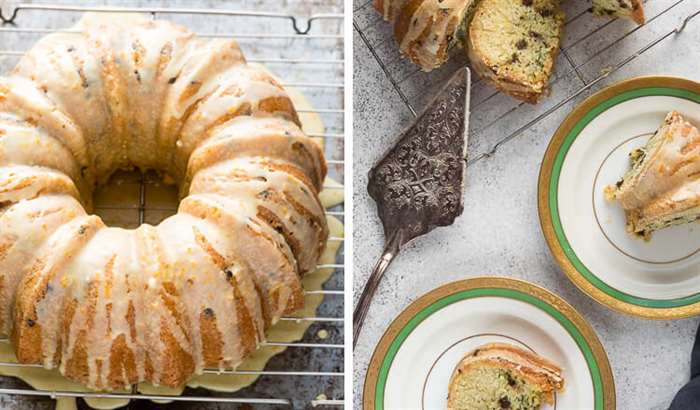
point(545, 13)
point(504, 402)
point(30, 323)
point(172, 80)
point(521, 44)
point(527, 3)
point(208, 312)
point(511, 381)
point(535, 35)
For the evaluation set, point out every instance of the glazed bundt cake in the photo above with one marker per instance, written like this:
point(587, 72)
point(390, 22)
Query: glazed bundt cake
point(111, 307)
point(513, 44)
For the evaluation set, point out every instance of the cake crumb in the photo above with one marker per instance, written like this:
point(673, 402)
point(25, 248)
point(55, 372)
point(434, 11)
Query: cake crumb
point(610, 192)
point(322, 334)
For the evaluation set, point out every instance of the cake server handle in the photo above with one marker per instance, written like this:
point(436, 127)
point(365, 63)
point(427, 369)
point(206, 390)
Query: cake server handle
point(391, 249)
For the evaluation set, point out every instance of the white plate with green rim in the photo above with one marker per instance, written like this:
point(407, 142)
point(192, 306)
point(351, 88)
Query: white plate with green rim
point(655, 279)
point(412, 364)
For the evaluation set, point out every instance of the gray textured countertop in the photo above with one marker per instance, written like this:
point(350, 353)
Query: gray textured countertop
point(499, 233)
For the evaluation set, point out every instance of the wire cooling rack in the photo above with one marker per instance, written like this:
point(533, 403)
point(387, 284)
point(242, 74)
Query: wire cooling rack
point(307, 54)
point(602, 37)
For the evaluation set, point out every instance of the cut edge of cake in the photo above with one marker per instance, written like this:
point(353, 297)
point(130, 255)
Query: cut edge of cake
point(505, 75)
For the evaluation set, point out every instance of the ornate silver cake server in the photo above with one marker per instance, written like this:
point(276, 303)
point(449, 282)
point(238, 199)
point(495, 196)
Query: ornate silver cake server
point(419, 184)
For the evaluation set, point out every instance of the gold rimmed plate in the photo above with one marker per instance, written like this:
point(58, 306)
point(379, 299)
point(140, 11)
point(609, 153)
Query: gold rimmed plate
point(412, 364)
point(659, 278)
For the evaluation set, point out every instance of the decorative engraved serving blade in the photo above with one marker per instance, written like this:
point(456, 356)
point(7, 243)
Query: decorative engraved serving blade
point(419, 184)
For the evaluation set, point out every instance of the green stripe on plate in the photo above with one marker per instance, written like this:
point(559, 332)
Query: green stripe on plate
point(554, 188)
point(570, 327)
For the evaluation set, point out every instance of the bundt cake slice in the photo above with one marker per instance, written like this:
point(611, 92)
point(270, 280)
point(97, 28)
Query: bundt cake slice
point(501, 376)
point(630, 9)
point(662, 187)
point(427, 29)
point(514, 44)
point(111, 307)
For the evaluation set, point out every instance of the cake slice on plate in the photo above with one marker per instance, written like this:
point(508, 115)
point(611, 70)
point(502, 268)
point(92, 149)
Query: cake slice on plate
point(631, 9)
point(662, 187)
point(513, 44)
point(503, 376)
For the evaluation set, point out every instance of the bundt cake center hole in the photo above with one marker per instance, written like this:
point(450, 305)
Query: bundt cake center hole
point(128, 194)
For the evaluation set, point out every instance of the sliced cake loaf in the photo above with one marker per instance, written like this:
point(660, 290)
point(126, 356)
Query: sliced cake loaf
point(662, 187)
point(514, 43)
point(631, 9)
point(502, 376)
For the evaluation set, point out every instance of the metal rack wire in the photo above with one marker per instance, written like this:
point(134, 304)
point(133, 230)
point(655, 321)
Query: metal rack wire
point(301, 29)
